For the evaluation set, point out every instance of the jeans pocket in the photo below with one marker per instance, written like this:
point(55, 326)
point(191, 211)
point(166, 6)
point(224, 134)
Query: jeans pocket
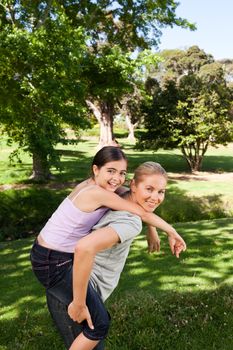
point(40, 267)
point(49, 266)
point(42, 274)
point(58, 270)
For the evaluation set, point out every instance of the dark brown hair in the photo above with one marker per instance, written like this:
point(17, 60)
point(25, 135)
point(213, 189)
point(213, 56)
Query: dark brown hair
point(107, 154)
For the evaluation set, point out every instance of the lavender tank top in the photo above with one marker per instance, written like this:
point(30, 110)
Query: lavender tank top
point(68, 224)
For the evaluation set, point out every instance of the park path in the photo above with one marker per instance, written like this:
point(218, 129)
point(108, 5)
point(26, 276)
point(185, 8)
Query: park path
point(201, 176)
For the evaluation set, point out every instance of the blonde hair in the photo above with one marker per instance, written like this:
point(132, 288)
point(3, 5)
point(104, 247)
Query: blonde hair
point(148, 168)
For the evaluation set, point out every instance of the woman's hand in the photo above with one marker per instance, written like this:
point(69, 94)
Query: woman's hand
point(80, 313)
point(153, 239)
point(176, 242)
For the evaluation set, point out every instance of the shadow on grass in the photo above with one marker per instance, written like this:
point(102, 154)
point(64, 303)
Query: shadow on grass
point(173, 162)
point(71, 153)
point(161, 302)
point(205, 265)
point(218, 163)
point(181, 207)
point(75, 163)
point(170, 161)
point(185, 321)
point(25, 321)
point(24, 212)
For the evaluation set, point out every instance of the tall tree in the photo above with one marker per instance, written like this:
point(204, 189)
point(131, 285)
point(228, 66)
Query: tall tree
point(190, 110)
point(134, 24)
point(123, 27)
point(131, 103)
point(110, 76)
point(40, 69)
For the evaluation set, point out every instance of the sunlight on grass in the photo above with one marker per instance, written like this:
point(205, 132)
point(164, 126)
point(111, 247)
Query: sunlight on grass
point(161, 303)
point(204, 266)
point(186, 300)
point(72, 157)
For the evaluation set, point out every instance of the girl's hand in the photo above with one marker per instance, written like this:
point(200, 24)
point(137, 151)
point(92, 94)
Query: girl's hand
point(153, 239)
point(80, 313)
point(177, 244)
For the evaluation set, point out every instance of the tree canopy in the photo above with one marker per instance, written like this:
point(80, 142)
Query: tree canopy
point(57, 54)
point(41, 87)
point(129, 24)
point(189, 106)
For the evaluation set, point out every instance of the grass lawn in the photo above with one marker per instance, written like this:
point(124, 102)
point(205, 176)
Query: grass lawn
point(161, 303)
point(76, 159)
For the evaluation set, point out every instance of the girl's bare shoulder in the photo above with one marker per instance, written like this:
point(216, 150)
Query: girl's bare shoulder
point(84, 186)
point(88, 198)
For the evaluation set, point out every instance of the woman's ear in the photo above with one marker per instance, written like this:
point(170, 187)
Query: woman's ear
point(132, 186)
point(95, 170)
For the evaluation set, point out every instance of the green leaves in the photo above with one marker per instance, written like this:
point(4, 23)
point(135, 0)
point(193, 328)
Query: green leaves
point(191, 109)
point(55, 55)
point(41, 85)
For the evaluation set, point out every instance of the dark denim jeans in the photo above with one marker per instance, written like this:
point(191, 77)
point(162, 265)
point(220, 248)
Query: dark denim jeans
point(67, 328)
point(54, 270)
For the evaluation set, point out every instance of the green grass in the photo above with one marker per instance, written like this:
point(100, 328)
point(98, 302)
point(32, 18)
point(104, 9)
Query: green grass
point(161, 302)
point(76, 159)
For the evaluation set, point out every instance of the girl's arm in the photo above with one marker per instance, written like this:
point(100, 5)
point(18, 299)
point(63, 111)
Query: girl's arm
point(177, 244)
point(100, 197)
point(85, 252)
point(115, 202)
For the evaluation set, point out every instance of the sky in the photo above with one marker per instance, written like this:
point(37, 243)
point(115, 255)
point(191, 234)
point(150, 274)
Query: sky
point(214, 33)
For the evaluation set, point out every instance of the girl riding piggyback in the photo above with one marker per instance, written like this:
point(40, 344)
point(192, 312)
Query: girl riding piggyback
point(52, 252)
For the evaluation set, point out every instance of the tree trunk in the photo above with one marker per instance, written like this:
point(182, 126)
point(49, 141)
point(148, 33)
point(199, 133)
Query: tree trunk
point(104, 114)
point(196, 164)
point(193, 158)
point(40, 168)
point(131, 128)
point(194, 154)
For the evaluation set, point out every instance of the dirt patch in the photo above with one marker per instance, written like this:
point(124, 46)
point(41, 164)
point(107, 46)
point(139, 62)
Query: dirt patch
point(52, 186)
point(201, 176)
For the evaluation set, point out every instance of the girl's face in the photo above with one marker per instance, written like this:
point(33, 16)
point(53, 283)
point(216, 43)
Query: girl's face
point(111, 175)
point(150, 191)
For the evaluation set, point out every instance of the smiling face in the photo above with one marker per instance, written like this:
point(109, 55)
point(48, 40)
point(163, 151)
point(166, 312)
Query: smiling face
point(111, 175)
point(149, 191)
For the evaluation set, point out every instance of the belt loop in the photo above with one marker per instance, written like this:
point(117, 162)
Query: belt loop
point(48, 253)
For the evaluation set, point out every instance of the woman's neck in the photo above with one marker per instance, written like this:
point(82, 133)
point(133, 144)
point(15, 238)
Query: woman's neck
point(128, 196)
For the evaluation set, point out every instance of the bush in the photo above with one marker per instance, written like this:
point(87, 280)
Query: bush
point(180, 207)
point(24, 212)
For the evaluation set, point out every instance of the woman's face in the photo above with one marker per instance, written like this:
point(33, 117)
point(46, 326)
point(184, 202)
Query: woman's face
point(150, 191)
point(111, 175)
